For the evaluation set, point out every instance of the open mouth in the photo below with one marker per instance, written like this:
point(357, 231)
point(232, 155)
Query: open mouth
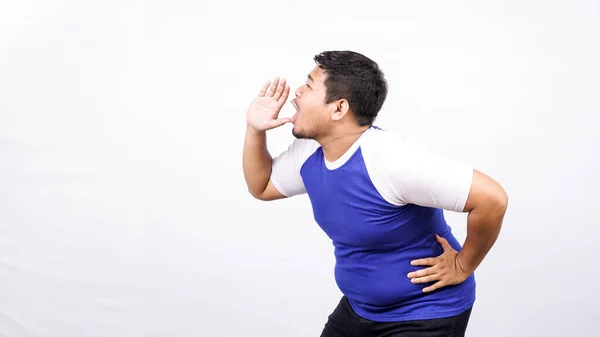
point(297, 109)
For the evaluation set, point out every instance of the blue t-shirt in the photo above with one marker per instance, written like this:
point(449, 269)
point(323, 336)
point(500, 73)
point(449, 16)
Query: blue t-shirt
point(381, 204)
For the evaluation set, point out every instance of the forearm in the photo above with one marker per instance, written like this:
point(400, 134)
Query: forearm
point(483, 228)
point(256, 161)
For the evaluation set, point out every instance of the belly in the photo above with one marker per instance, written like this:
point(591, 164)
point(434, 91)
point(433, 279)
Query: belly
point(379, 278)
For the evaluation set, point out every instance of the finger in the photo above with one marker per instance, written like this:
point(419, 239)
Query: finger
point(285, 94)
point(430, 261)
point(422, 272)
point(263, 91)
point(271, 91)
point(434, 286)
point(425, 279)
point(280, 89)
point(445, 245)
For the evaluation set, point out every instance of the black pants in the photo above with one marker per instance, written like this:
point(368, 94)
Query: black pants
point(344, 322)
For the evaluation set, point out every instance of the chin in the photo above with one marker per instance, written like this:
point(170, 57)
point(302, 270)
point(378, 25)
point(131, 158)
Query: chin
point(298, 133)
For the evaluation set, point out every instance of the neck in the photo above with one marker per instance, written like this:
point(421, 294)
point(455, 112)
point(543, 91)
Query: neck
point(337, 143)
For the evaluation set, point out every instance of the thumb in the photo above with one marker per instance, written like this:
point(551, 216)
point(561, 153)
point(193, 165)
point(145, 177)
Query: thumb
point(445, 245)
point(279, 122)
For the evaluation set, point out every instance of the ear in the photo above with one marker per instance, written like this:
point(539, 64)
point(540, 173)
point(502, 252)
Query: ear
point(340, 108)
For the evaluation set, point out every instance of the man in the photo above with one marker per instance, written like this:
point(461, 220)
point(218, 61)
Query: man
point(379, 198)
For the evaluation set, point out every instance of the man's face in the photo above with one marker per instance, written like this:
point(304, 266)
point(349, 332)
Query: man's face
point(313, 115)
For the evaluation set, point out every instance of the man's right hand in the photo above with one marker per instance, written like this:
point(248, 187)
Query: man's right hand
point(264, 111)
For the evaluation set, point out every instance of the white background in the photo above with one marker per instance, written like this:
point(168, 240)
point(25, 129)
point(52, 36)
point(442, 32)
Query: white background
point(123, 208)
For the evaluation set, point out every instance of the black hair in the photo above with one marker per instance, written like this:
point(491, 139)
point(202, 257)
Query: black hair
point(357, 79)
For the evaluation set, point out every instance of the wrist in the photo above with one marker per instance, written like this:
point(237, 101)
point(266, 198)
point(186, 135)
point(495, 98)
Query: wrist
point(463, 264)
point(252, 130)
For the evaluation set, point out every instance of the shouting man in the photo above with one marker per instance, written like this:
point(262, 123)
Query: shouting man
point(380, 198)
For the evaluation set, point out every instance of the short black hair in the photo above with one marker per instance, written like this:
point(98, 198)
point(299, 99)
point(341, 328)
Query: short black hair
point(356, 78)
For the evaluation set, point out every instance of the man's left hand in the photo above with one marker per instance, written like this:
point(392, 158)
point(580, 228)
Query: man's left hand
point(445, 269)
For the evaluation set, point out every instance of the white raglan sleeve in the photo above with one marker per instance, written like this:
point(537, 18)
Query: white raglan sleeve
point(406, 173)
point(285, 173)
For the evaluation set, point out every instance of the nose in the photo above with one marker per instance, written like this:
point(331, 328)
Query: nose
point(298, 92)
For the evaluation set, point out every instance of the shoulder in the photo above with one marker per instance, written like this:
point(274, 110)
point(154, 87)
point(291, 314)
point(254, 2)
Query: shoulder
point(301, 149)
point(295, 155)
point(391, 147)
point(395, 150)
point(303, 145)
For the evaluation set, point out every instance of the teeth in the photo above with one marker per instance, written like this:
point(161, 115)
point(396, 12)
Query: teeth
point(294, 104)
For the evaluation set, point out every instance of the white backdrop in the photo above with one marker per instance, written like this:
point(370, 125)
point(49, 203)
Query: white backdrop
point(123, 208)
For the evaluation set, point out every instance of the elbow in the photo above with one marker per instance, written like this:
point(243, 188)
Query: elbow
point(497, 206)
point(496, 198)
point(501, 201)
point(254, 194)
point(258, 196)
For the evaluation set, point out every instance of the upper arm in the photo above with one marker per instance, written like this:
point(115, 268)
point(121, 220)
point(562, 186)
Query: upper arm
point(485, 192)
point(285, 179)
point(416, 175)
point(432, 180)
point(270, 193)
point(405, 173)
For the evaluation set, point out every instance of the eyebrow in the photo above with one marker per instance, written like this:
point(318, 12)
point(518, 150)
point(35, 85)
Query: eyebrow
point(310, 78)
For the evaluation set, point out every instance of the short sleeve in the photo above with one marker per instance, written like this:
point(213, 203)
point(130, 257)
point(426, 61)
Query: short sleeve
point(285, 173)
point(406, 173)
